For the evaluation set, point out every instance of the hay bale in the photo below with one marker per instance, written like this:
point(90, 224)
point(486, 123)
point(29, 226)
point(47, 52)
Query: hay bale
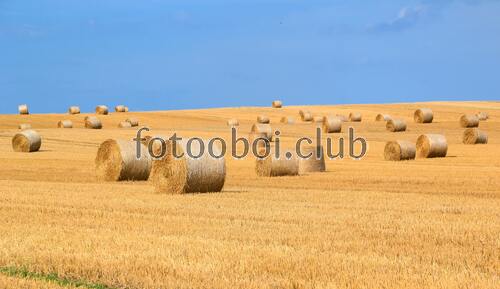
point(305, 115)
point(432, 146)
point(271, 166)
point(277, 104)
point(318, 119)
point(263, 119)
point(312, 164)
point(173, 175)
point(133, 121)
point(92, 122)
point(342, 118)
point(124, 124)
point(253, 136)
point(423, 115)
point(126, 109)
point(116, 160)
point(396, 125)
point(382, 117)
point(483, 116)
point(355, 116)
point(120, 108)
point(233, 122)
point(101, 109)
point(264, 129)
point(287, 120)
point(65, 124)
point(475, 136)
point(469, 121)
point(24, 126)
point(26, 141)
point(23, 109)
point(74, 110)
point(399, 150)
point(332, 124)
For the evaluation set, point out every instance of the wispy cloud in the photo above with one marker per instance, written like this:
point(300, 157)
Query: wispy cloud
point(407, 17)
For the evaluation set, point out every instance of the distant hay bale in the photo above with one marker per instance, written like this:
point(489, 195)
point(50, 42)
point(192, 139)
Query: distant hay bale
point(263, 119)
point(92, 122)
point(101, 109)
point(342, 118)
point(483, 116)
point(287, 120)
point(186, 174)
point(318, 118)
point(124, 124)
point(399, 150)
point(263, 128)
point(26, 141)
point(117, 161)
point(312, 164)
point(23, 109)
point(74, 110)
point(133, 121)
point(65, 124)
point(306, 115)
point(355, 117)
point(332, 124)
point(271, 166)
point(475, 136)
point(432, 146)
point(277, 104)
point(126, 109)
point(423, 115)
point(120, 108)
point(395, 125)
point(382, 117)
point(233, 122)
point(469, 121)
point(24, 126)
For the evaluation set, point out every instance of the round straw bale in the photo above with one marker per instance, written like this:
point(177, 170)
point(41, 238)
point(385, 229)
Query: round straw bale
point(423, 115)
point(124, 124)
point(332, 124)
point(287, 119)
point(132, 121)
point(187, 174)
point(254, 136)
point(318, 119)
point(117, 161)
point(306, 115)
point(126, 109)
point(342, 118)
point(277, 104)
point(315, 163)
point(74, 110)
point(26, 141)
point(432, 146)
point(382, 117)
point(263, 119)
point(65, 124)
point(23, 109)
point(270, 166)
point(101, 109)
point(475, 136)
point(469, 121)
point(120, 108)
point(263, 128)
point(396, 125)
point(483, 116)
point(24, 126)
point(399, 150)
point(233, 122)
point(92, 122)
point(355, 116)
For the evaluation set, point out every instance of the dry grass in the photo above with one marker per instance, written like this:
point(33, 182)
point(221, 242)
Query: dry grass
point(427, 223)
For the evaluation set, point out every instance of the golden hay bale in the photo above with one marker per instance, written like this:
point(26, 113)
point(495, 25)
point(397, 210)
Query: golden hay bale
point(23, 109)
point(26, 141)
point(287, 120)
point(233, 122)
point(117, 160)
point(287, 164)
point(186, 174)
point(399, 150)
point(483, 116)
point(318, 119)
point(101, 109)
point(263, 128)
point(253, 136)
point(277, 104)
point(396, 125)
point(126, 109)
point(355, 116)
point(469, 121)
point(332, 124)
point(92, 122)
point(432, 146)
point(475, 136)
point(312, 164)
point(74, 110)
point(306, 115)
point(24, 126)
point(65, 124)
point(382, 117)
point(124, 124)
point(423, 115)
point(133, 121)
point(263, 119)
point(120, 108)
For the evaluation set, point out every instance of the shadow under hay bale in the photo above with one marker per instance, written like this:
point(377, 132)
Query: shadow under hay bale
point(423, 115)
point(475, 136)
point(26, 141)
point(395, 125)
point(432, 146)
point(399, 150)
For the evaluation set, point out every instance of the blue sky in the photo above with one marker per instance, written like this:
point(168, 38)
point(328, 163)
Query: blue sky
point(161, 54)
